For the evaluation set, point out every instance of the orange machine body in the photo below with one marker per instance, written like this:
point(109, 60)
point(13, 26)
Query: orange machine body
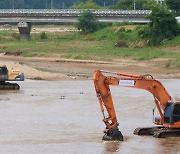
point(161, 96)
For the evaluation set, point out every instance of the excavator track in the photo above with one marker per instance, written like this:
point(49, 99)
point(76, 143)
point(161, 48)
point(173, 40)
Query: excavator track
point(167, 133)
point(158, 132)
point(9, 86)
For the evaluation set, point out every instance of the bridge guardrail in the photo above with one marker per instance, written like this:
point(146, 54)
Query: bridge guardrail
point(75, 12)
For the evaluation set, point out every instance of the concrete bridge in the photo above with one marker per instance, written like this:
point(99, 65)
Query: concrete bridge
point(24, 17)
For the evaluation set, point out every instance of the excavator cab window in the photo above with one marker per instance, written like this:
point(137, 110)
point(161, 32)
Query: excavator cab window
point(156, 117)
point(176, 112)
point(3, 71)
point(168, 113)
point(172, 113)
point(3, 74)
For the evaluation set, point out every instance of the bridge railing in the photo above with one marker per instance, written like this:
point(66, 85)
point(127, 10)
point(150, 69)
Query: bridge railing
point(74, 11)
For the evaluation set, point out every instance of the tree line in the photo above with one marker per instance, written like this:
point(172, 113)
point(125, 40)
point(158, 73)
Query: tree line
point(47, 4)
point(163, 26)
point(89, 4)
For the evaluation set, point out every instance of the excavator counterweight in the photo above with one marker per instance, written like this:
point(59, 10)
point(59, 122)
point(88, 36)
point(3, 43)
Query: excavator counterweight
point(169, 112)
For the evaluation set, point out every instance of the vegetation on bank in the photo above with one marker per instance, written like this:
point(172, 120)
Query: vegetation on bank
point(99, 45)
point(96, 41)
point(163, 26)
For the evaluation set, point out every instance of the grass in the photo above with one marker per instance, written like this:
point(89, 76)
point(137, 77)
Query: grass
point(96, 46)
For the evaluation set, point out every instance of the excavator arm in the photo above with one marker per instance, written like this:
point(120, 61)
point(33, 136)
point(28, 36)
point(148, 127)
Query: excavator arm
point(102, 83)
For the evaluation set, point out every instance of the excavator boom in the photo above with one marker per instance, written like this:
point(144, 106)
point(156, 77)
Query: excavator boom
point(146, 82)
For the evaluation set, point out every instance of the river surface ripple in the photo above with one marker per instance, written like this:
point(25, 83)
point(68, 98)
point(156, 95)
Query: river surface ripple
point(54, 117)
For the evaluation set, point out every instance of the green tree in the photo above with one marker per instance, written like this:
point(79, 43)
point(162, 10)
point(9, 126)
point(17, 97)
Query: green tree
point(89, 4)
point(163, 26)
point(174, 5)
point(87, 22)
point(149, 4)
point(129, 4)
point(124, 5)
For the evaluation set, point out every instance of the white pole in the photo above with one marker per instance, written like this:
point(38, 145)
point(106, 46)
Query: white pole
point(51, 4)
point(134, 4)
point(13, 4)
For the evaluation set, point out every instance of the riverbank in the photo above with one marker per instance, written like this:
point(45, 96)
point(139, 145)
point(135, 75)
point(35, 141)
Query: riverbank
point(53, 68)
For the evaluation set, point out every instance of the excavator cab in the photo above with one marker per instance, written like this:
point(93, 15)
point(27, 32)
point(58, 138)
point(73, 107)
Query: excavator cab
point(3, 73)
point(172, 113)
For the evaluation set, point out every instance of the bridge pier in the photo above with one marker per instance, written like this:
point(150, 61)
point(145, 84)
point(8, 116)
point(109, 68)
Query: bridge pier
point(24, 29)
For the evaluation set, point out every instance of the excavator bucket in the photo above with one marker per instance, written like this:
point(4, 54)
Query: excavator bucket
point(113, 135)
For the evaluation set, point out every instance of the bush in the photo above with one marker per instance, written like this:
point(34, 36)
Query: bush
point(87, 22)
point(43, 35)
point(163, 26)
point(127, 35)
point(104, 34)
point(15, 36)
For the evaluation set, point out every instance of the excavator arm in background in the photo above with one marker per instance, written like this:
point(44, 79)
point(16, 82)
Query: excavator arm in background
point(146, 82)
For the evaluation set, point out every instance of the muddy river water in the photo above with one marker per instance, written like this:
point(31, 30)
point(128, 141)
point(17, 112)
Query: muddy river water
point(54, 117)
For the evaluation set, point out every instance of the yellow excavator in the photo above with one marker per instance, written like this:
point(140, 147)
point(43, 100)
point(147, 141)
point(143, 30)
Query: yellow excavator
point(168, 121)
point(12, 75)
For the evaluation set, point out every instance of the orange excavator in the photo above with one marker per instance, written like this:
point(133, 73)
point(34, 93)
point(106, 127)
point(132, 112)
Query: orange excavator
point(168, 121)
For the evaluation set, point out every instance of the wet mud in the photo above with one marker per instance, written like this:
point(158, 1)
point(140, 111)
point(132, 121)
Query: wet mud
point(64, 117)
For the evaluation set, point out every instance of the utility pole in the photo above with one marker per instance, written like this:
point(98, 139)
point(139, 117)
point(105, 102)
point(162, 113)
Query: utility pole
point(134, 4)
point(13, 4)
point(51, 4)
point(104, 3)
point(46, 5)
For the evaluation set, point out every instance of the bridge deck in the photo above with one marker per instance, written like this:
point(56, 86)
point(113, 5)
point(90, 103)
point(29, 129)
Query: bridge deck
point(69, 15)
